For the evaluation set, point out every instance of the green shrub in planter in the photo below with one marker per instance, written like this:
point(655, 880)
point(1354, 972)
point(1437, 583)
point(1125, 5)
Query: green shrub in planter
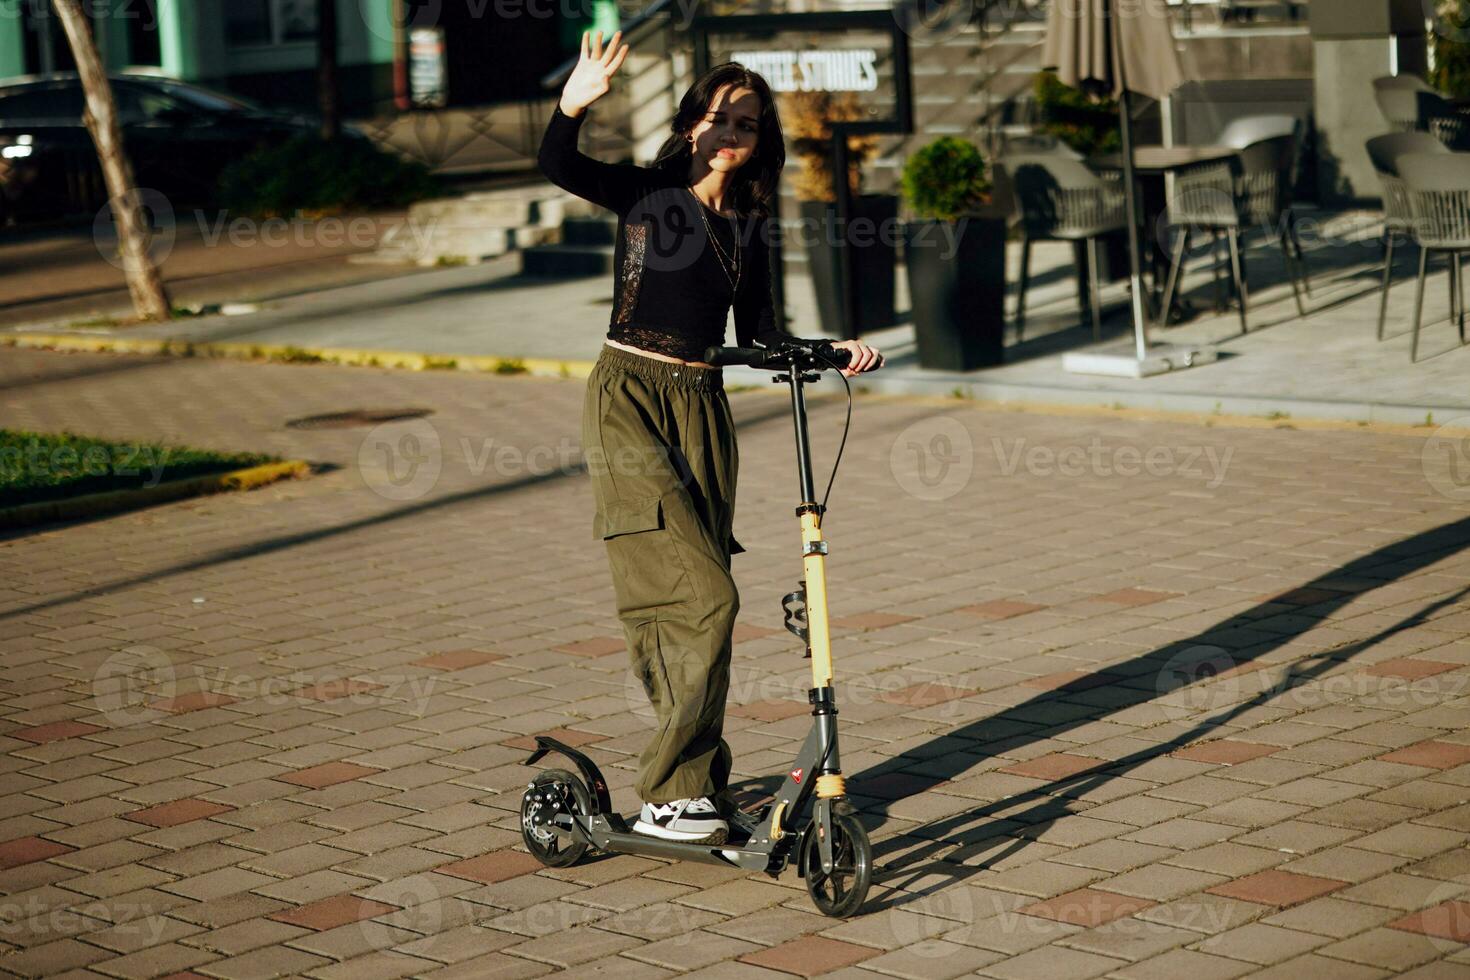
point(945, 179)
point(955, 257)
point(310, 174)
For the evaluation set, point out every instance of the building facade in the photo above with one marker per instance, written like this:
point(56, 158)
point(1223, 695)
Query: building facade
point(266, 49)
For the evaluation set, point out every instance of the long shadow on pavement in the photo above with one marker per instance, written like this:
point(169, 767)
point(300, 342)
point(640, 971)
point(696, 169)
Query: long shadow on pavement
point(1251, 636)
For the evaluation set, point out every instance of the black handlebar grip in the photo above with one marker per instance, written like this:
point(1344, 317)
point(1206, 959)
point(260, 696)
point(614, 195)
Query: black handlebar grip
point(723, 356)
point(819, 350)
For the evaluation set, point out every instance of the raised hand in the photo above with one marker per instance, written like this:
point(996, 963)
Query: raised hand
point(592, 77)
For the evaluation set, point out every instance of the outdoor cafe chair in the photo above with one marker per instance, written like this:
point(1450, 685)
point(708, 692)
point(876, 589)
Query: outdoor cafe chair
point(1398, 100)
point(1438, 186)
point(1229, 196)
point(1247, 130)
point(1060, 198)
point(1415, 106)
point(1384, 152)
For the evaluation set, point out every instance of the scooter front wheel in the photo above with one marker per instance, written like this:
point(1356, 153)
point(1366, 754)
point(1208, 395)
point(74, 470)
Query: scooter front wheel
point(841, 892)
point(552, 793)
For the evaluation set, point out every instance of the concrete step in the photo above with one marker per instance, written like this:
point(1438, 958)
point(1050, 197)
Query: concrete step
point(596, 230)
point(485, 224)
point(554, 261)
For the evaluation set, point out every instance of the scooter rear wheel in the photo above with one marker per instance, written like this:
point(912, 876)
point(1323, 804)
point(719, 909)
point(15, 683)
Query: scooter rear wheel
point(553, 792)
point(841, 892)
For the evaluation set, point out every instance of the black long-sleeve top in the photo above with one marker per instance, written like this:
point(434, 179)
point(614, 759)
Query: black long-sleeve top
point(671, 295)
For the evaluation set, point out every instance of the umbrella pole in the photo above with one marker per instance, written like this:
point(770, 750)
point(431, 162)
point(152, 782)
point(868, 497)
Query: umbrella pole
point(1125, 121)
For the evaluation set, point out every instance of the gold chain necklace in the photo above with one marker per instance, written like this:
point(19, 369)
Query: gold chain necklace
point(719, 250)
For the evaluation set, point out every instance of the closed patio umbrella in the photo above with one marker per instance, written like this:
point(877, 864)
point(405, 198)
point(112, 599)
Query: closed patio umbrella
point(1116, 47)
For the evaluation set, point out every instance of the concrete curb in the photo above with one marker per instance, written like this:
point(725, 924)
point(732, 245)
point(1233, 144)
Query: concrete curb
point(1231, 410)
point(115, 501)
point(411, 360)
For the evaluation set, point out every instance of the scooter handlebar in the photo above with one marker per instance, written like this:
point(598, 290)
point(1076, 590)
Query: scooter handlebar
point(810, 354)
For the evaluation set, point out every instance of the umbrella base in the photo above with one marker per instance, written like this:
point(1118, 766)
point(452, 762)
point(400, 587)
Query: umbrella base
point(1122, 360)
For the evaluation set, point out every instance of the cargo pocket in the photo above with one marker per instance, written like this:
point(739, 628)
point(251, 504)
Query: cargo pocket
point(647, 568)
point(628, 516)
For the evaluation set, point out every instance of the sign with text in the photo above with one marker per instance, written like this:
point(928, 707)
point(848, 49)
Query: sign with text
point(850, 70)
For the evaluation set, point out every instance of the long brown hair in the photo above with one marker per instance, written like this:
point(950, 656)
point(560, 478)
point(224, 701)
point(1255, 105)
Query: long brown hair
point(754, 185)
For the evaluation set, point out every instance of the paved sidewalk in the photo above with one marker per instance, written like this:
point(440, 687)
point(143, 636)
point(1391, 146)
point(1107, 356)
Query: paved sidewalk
point(1119, 698)
point(1329, 365)
point(65, 275)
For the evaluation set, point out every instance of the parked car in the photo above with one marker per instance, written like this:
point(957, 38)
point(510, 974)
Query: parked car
point(179, 136)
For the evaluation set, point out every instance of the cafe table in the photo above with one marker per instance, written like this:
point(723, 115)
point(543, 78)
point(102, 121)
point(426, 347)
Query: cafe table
point(1151, 164)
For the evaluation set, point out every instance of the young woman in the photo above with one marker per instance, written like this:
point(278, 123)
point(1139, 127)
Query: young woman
point(657, 432)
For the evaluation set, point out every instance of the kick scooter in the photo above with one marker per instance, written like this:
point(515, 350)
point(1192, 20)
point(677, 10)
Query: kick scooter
point(562, 814)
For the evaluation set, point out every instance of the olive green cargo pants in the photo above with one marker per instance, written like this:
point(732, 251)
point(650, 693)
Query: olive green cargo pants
point(659, 442)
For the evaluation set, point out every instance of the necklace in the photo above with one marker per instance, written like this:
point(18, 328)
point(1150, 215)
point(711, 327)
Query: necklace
point(724, 259)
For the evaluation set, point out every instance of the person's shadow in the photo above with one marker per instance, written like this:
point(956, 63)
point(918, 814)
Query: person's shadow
point(1238, 645)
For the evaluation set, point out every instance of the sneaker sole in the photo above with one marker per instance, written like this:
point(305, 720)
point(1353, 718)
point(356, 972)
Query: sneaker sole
point(680, 837)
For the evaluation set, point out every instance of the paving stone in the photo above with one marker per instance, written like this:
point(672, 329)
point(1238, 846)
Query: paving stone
point(809, 956)
point(374, 758)
point(1087, 907)
point(1050, 962)
point(1278, 888)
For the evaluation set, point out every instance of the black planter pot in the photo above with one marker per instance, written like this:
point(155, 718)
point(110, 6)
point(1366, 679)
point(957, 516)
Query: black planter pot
point(874, 261)
point(959, 298)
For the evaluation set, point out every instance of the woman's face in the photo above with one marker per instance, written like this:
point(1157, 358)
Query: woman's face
point(726, 137)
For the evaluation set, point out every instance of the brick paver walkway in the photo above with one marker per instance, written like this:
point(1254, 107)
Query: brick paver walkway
point(1119, 699)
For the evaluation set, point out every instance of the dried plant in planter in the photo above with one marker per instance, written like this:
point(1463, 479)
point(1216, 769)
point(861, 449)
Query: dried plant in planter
point(805, 117)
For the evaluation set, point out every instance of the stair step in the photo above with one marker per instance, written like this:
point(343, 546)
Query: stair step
point(566, 261)
point(589, 231)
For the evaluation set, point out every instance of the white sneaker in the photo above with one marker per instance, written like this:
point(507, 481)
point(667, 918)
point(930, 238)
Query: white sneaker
point(694, 821)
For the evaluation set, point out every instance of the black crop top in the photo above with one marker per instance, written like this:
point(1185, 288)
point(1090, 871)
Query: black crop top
point(671, 295)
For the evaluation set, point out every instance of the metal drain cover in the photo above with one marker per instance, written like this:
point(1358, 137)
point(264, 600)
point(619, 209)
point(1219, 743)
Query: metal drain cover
point(357, 416)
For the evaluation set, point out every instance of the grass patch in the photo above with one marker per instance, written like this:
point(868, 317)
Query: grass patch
point(96, 321)
point(513, 366)
point(440, 364)
point(36, 466)
point(295, 355)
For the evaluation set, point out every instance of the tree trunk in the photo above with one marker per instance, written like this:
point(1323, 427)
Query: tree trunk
point(326, 69)
point(150, 299)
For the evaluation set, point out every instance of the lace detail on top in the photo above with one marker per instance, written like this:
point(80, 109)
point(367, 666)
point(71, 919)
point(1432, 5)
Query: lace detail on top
point(683, 346)
point(636, 237)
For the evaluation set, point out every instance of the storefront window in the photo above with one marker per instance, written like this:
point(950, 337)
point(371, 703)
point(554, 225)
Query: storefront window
point(270, 21)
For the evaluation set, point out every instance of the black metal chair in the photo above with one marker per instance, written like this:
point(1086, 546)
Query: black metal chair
point(1438, 187)
point(1384, 152)
point(1230, 196)
point(1060, 199)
